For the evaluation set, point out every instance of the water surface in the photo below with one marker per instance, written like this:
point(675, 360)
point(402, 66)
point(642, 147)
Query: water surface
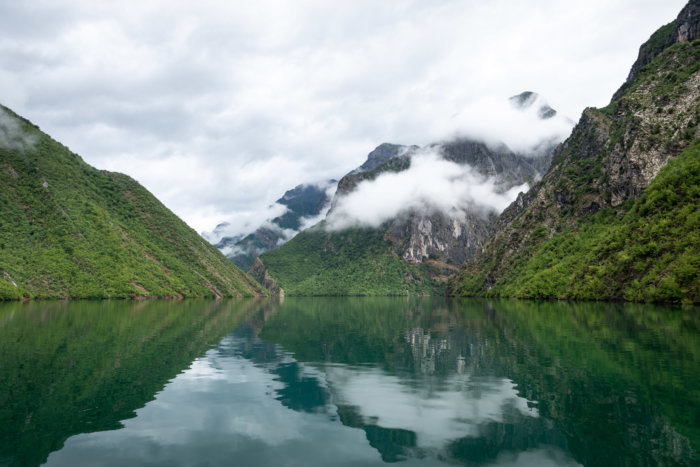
point(358, 381)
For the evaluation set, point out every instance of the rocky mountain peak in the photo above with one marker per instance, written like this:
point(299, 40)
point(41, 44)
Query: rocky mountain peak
point(688, 23)
point(685, 28)
point(383, 153)
point(528, 99)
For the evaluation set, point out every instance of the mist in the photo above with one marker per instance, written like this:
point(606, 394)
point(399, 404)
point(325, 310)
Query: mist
point(496, 121)
point(12, 136)
point(264, 219)
point(430, 184)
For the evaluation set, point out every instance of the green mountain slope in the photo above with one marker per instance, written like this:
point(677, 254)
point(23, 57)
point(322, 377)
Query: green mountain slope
point(617, 215)
point(70, 230)
point(353, 262)
point(651, 252)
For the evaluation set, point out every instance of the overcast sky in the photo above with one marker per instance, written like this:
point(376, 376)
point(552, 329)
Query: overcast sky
point(218, 107)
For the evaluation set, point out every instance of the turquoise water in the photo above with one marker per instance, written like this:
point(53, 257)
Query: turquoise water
point(356, 381)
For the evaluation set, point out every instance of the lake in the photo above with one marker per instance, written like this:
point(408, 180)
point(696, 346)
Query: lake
point(348, 382)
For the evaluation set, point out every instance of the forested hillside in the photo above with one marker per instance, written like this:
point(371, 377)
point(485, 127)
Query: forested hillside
point(68, 230)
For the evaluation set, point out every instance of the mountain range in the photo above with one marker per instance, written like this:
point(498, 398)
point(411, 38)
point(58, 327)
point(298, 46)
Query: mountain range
point(420, 241)
point(610, 213)
point(303, 205)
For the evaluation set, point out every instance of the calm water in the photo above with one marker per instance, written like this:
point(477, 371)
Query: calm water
point(348, 382)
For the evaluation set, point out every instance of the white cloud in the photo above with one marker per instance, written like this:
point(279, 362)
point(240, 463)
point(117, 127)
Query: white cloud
point(12, 135)
point(429, 184)
point(303, 89)
point(496, 120)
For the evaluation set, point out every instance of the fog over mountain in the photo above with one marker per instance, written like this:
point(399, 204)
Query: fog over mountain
point(219, 107)
point(430, 184)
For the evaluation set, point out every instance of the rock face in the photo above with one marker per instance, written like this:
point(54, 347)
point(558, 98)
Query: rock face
point(597, 174)
point(453, 239)
point(439, 237)
point(260, 274)
point(683, 29)
point(383, 153)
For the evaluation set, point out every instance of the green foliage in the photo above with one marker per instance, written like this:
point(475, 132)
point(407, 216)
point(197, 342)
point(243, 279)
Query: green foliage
point(651, 253)
point(353, 262)
point(670, 69)
point(69, 230)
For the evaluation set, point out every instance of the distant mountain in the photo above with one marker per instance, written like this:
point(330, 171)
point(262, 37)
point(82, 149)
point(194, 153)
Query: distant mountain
point(617, 216)
point(304, 203)
point(420, 247)
point(528, 99)
point(68, 230)
point(383, 153)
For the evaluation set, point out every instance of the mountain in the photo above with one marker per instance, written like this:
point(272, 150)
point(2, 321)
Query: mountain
point(304, 204)
point(383, 153)
point(68, 230)
point(416, 247)
point(617, 216)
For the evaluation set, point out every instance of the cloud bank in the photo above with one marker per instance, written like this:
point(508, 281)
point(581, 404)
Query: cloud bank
point(263, 219)
point(219, 106)
point(430, 184)
point(497, 121)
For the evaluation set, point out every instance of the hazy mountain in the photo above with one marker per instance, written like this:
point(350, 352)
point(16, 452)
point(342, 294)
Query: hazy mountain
point(70, 230)
point(304, 204)
point(406, 218)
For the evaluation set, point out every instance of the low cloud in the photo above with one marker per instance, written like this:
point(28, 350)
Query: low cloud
point(218, 107)
point(12, 136)
point(430, 184)
point(263, 219)
point(497, 121)
point(306, 222)
point(246, 224)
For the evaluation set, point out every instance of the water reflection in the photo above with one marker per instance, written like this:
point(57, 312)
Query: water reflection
point(78, 367)
point(366, 382)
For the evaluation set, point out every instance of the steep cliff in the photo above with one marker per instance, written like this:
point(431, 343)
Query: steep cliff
point(616, 215)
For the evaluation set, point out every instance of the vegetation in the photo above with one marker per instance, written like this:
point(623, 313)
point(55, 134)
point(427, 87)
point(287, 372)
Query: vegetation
point(651, 254)
point(597, 230)
point(70, 230)
point(353, 262)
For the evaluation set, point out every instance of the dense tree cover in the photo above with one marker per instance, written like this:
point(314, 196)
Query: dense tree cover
point(70, 230)
point(649, 253)
point(352, 262)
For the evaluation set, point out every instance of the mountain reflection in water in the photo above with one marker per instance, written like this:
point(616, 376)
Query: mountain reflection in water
point(420, 381)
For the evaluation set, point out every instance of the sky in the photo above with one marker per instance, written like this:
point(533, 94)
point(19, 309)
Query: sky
point(219, 107)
